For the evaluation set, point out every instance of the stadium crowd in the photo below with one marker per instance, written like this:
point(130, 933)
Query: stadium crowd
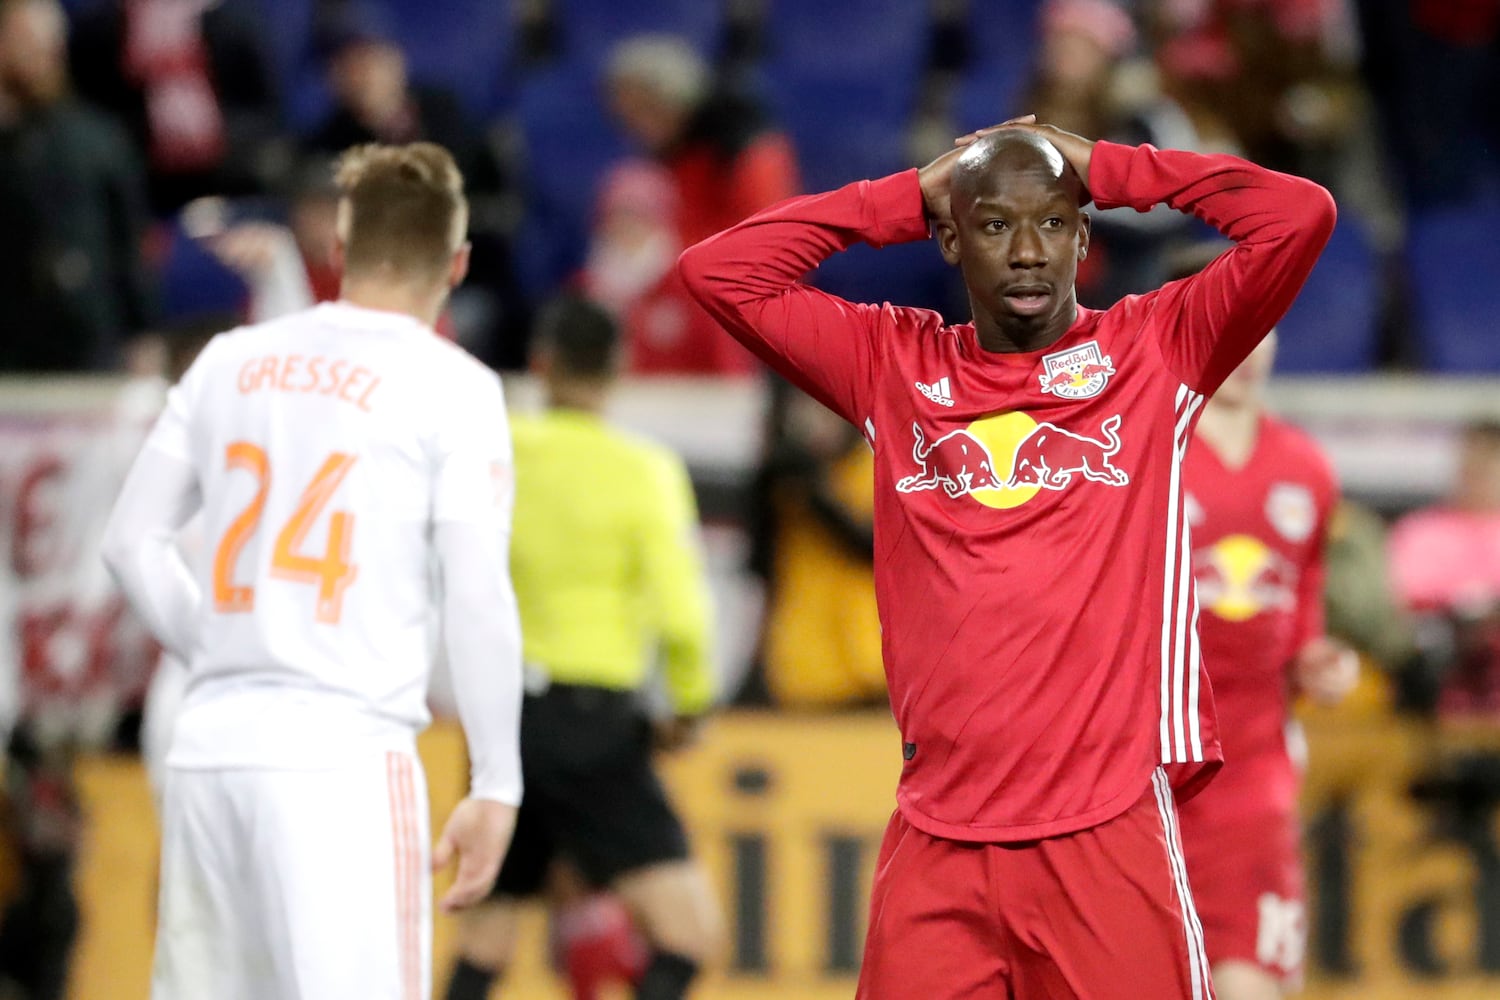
point(591, 161)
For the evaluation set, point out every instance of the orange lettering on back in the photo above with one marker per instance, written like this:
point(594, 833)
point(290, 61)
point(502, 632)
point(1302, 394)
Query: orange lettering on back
point(288, 366)
point(364, 400)
point(357, 376)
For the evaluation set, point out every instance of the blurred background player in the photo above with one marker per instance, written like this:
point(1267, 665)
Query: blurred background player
point(608, 577)
point(1259, 498)
point(336, 454)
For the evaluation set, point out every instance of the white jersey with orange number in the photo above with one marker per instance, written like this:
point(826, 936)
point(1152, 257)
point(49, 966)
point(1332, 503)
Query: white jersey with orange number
point(326, 445)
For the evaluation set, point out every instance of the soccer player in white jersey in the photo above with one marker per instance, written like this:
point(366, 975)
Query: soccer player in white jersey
point(339, 456)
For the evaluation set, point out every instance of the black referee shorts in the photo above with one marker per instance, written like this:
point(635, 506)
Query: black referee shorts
point(591, 795)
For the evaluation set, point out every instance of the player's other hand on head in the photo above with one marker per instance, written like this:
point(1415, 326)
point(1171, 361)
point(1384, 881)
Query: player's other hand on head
point(478, 834)
point(1326, 670)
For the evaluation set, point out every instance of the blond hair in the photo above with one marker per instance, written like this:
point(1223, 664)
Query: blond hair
point(402, 212)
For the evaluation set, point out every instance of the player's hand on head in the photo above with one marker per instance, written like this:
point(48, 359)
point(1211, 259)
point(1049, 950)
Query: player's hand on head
point(969, 137)
point(1326, 670)
point(936, 178)
point(478, 834)
point(1077, 150)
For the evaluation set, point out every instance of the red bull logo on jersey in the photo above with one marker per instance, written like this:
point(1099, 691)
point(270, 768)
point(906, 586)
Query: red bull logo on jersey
point(1004, 460)
point(1077, 373)
point(1239, 577)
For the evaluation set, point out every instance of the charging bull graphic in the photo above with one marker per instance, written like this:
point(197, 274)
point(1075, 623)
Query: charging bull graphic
point(958, 462)
point(1051, 456)
point(1004, 460)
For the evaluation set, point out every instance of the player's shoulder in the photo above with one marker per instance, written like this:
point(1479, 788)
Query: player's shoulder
point(466, 369)
point(653, 459)
point(451, 377)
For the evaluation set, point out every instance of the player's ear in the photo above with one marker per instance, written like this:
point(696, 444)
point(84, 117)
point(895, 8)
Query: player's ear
point(1085, 230)
point(947, 236)
point(458, 268)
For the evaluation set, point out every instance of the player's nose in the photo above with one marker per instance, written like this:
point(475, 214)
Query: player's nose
point(1027, 248)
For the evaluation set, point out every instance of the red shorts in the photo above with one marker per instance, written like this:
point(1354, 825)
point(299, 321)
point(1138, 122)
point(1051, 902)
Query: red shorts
point(1247, 879)
point(1101, 914)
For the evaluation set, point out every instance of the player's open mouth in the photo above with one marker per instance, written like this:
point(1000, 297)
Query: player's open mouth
point(1029, 300)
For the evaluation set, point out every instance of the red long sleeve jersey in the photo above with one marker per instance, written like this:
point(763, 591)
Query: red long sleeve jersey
point(1032, 562)
point(1258, 539)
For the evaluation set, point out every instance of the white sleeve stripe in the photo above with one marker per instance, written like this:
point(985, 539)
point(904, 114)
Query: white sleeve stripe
point(1181, 731)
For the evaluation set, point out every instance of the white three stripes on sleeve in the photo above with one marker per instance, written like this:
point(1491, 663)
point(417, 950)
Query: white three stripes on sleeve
point(1181, 738)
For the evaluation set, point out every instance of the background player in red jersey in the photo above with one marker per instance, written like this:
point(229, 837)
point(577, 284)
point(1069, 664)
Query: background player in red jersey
point(1037, 610)
point(1259, 496)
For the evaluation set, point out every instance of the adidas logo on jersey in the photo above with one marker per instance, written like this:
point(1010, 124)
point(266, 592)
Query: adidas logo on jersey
point(938, 391)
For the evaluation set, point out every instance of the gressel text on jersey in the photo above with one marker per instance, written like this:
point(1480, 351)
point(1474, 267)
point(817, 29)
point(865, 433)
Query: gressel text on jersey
point(317, 374)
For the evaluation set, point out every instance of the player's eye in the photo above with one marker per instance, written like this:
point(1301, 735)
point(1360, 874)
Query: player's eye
point(994, 226)
point(1055, 222)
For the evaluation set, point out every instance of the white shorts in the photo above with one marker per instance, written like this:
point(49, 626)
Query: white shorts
point(296, 885)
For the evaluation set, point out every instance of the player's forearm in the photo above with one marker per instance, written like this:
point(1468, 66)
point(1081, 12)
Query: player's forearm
point(1279, 222)
point(482, 636)
point(740, 271)
point(160, 588)
point(140, 549)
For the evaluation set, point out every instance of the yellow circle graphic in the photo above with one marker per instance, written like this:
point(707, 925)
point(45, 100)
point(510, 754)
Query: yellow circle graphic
point(1233, 589)
point(1001, 435)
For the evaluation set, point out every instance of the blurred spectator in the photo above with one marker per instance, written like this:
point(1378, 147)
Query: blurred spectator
point(1278, 81)
point(629, 270)
point(192, 81)
point(262, 254)
point(1445, 566)
point(1088, 80)
point(816, 546)
point(725, 159)
point(376, 101)
point(1434, 68)
point(1237, 65)
point(72, 208)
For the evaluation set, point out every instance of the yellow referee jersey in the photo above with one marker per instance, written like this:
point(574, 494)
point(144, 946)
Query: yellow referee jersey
point(605, 557)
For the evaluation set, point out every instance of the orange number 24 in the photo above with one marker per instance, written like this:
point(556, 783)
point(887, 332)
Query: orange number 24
point(331, 572)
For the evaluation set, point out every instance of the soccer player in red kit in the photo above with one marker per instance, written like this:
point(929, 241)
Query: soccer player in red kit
point(1032, 561)
point(1259, 494)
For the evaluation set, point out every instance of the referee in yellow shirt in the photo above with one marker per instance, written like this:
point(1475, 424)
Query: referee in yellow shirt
point(610, 582)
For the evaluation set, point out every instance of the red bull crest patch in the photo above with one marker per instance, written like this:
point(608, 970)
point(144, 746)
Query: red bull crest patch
point(1077, 373)
point(1004, 460)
